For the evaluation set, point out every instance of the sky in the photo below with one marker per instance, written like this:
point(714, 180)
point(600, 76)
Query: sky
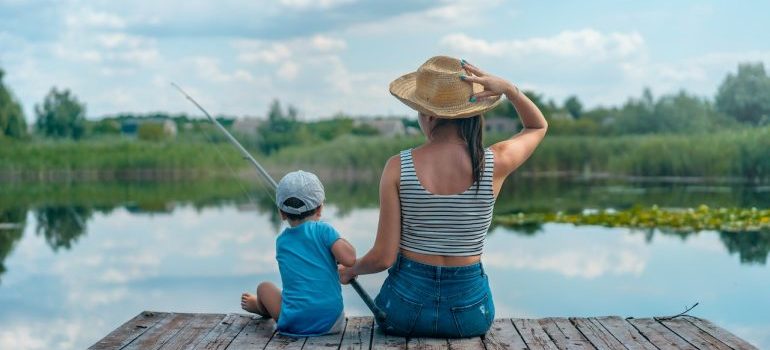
point(332, 56)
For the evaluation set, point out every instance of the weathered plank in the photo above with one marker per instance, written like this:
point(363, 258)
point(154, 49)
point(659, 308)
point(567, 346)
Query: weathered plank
point(164, 330)
point(224, 333)
point(255, 335)
point(428, 343)
point(130, 330)
point(694, 335)
point(193, 332)
point(533, 334)
point(474, 343)
point(596, 333)
point(503, 336)
point(329, 341)
point(156, 330)
point(625, 333)
point(720, 333)
point(358, 334)
point(381, 340)
point(659, 335)
point(284, 342)
point(564, 334)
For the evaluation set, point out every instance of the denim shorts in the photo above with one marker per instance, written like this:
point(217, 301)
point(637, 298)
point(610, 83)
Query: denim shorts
point(435, 301)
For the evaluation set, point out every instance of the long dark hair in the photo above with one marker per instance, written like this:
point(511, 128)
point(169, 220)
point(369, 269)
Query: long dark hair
point(471, 130)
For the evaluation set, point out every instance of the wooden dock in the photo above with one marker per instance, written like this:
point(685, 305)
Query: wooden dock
point(162, 330)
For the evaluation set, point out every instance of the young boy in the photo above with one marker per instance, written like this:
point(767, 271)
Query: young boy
point(308, 253)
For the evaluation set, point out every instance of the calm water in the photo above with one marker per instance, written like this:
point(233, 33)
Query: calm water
point(86, 258)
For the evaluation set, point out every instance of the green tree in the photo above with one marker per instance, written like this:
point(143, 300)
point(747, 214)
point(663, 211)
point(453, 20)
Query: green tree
point(573, 106)
point(327, 130)
point(506, 109)
point(674, 113)
point(106, 127)
point(61, 115)
point(746, 95)
point(281, 129)
point(12, 123)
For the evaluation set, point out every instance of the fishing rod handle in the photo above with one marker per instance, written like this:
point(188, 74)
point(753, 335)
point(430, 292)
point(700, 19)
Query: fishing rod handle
point(378, 313)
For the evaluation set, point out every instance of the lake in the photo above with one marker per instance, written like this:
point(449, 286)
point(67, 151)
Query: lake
point(77, 260)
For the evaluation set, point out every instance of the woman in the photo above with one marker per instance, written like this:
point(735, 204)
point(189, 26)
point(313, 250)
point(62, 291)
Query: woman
point(436, 202)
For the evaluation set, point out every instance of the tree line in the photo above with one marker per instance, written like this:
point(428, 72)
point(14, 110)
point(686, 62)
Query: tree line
point(742, 100)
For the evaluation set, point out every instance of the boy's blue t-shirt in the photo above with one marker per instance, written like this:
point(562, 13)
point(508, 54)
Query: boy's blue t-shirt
point(312, 295)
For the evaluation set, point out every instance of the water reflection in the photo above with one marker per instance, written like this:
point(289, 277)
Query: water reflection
point(751, 247)
point(107, 251)
point(13, 221)
point(62, 212)
point(61, 225)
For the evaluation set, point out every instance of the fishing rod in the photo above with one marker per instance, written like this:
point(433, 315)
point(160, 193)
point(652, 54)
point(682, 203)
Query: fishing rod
point(378, 313)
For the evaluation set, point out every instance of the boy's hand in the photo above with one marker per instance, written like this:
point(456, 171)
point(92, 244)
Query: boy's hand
point(346, 274)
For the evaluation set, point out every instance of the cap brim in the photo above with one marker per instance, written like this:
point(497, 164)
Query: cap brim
point(404, 88)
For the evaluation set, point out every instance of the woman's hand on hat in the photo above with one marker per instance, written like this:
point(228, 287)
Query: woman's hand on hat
point(493, 86)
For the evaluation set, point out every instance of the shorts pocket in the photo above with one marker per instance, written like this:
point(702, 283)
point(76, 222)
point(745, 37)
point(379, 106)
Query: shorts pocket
point(474, 319)
point(401, 313)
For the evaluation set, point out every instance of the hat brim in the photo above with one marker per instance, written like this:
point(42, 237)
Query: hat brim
point(404, 88)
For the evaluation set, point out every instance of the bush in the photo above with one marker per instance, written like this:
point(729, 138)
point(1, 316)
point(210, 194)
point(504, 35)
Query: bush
point(151, 132)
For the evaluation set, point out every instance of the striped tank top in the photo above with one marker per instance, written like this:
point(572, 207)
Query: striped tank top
point(452, 225)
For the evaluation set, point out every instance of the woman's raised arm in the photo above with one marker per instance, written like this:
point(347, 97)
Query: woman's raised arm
point(510, 153)
point(385, 249)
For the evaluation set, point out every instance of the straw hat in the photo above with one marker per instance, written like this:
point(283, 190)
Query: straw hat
point(437, 90)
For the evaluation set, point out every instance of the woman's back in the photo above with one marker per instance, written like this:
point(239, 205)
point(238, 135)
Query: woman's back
point(446, 222)
point(443, 169)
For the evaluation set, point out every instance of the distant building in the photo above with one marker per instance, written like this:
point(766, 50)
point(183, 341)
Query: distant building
point(389, 127)
point(130, 127)
point(501, 125)
point(247, 125)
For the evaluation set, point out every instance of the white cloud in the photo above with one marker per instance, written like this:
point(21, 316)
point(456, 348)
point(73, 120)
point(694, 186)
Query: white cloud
point(442, 16)
point(59, 334)
point(459, 11)
point(95, 19)
point(276, 52)
point(208, 69)
point(311, 73)
point(252, 51)
point(571, 256)
point(700, 75)
point(573, 263)
point(21, 337)
point(310, 4)
point(288, 70)
point(587, 43)
point(326, 43)
point(111, 50)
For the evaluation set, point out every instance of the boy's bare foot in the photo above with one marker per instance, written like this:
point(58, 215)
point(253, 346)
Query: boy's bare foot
point(249, 303)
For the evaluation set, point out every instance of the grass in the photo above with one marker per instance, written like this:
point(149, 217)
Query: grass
point(739, 154)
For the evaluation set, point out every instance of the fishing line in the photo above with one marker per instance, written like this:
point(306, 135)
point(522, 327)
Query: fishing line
point(237, 179)
point(222, 157)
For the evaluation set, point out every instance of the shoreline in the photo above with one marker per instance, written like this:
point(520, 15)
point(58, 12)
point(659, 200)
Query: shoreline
point(337, 174)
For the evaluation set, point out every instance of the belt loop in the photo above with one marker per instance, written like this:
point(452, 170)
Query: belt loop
point(481, 267)
point(398, 262)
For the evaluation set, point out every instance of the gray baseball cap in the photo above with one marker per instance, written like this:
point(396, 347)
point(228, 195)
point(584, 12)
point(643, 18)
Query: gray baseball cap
point(302, 185)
